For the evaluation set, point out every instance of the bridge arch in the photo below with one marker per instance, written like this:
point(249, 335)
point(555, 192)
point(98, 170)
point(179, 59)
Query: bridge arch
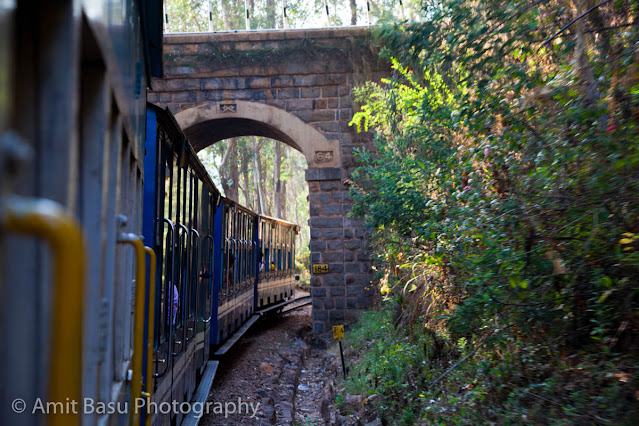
point(208, 123)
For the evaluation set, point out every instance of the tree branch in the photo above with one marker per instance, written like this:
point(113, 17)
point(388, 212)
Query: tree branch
point(569, 24)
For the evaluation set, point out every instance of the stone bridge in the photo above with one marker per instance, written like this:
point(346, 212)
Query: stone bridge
point(294, 86)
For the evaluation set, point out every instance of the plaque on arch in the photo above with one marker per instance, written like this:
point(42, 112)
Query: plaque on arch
point(228, 107)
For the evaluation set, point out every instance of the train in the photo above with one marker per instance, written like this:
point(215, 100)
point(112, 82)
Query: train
point(218, 262)
point(123, 270)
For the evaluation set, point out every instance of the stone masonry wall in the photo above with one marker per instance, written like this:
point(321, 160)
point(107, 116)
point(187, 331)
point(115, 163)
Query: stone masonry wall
point(309, 74)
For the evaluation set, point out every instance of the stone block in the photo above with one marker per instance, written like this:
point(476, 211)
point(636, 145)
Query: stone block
point(318, 291)
point(345, 117)
point(337, 291)
point(293, 93)
point(337, 268)
point(315, 258)
point(213, 95)
point(311, 116)
point(234, 83)
point(332, 103)
point(281, 82)
point(320, 315)
point(307, 80)
point(263, 95)
point(182, 97)
point(336, 315)
point(317, 245)
point(310, 92)
point(340, 302)
point(175, 71)
point(352, 268)
point(335, 78)
point(317, 281)
point(330, 185)
point(329, 303)
point(348, 234)
point(335, 245)
point(299, 104)
point(319, 104)
point(258, 82)
point(182, 84)
point(331, 126)
point(353, 244)
point(315, 233)
point(351, 303)
point(349, 256)
point(313, 186)
point(329, 92)
point(318, 303)
point(276, 103)
point(353, 222)
point(345, 102)
point(319, 198)
point(210, 83)
point(325, 222)
point(327, 173)
point(331, 280)
point(344, 90)
point(340, 196)
point(353, 290)
point(335, 256)
point(332, 209)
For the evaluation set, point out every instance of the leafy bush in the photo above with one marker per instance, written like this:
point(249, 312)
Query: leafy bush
point(505, 189)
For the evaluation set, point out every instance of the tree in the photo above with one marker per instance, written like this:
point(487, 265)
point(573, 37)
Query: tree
point(505, 189)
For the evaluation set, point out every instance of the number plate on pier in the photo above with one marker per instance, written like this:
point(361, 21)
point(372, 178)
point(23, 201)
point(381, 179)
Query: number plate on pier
point(320, 268)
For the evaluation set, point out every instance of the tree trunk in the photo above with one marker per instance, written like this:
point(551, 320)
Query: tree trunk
point(257, 178)
point(353, 12)
point(225, 15)
point(262, 177)
point(230, 179)
point(277, 182)
point(245, 174)
point(282, 199)
point(270, 13)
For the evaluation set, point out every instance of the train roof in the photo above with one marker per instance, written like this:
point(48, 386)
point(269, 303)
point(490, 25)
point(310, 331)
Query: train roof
point(166, 118)
point(280, 221)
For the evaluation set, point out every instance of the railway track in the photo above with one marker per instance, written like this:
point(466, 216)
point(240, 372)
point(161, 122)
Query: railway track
point(201, 394)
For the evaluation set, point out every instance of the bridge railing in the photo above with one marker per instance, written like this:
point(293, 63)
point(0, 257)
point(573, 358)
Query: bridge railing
point(284, 10)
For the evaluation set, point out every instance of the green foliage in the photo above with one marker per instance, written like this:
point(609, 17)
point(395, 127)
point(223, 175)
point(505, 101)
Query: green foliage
point(505, 188)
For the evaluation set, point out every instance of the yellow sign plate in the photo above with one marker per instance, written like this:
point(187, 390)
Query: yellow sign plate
point(320, 268)
point(338, 332)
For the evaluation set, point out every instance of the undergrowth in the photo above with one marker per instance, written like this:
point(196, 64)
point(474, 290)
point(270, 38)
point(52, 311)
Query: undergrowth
point(425, 376)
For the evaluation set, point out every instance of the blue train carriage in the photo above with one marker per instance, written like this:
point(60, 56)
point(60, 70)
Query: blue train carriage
point(276, 281)
point(235, 269)
point(180, 205)
point(73, 81)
